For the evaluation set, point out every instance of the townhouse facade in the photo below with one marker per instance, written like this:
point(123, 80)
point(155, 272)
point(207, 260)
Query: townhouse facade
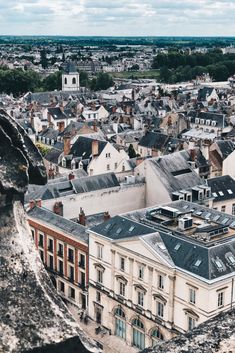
point(63, 248)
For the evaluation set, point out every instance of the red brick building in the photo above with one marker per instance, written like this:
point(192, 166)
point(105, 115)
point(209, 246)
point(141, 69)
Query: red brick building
point(63, 247)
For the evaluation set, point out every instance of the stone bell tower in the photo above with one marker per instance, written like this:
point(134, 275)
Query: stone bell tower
point(70, 78)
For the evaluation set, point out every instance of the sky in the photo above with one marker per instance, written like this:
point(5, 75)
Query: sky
point(118, 17)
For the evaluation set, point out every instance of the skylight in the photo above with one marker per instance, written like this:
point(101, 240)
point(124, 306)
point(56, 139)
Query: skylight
point(231, 259)
point(214, 194)
point(178, 245)
point(198, 263)
point(230, 191)
point(225, 220)
point(162, 246)
point(221, 193)
point(131, 228)
point(218, 264)
point(118, 231)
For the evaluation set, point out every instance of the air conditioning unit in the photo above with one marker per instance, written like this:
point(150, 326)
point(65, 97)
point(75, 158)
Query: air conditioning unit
point(185, 223)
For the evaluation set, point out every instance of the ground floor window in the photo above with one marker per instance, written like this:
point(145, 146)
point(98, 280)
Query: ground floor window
point(120, 323)
point(138, 335)
point(156, 336)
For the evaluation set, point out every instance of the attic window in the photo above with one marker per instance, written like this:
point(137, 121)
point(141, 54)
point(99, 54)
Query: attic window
point(214, 194)
point(131, 228)
point(177, 247)
point(162, 246)
point(230, 191)
point(198, 263)
point(118, 231)
point(218, 264)
point(55, 115)
point(221, 193)
point(231, 259)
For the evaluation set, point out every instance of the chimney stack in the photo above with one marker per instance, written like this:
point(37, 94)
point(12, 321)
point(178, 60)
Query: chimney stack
point(82, 217)
point(61, 126)
point(67, 147)
point(58, 208)
point(106, 216)
point(95, 126)
point(38, 202)
point(32, 204)
point(193, 154)
point(71, 176)
point(95, 148)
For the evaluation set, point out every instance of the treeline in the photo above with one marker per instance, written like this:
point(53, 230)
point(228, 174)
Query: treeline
point(19, 82)
point(178, 66)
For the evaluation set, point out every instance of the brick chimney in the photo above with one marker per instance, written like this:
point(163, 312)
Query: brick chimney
point(139, 160)
point(32, 204)
point(82, 217)
point(61, 126)
point(38, 202)
point(58, 208)
point(95, 148)
point(95, 126)
point(193, 154)
point(67, 142)
point(106, 216)
point(71, 176)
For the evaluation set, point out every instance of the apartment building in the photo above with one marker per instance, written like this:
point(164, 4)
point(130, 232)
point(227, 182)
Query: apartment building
point(160, 271)
point(63, 247)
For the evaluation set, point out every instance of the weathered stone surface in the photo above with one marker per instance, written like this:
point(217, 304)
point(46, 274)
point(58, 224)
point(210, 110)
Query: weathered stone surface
point(215, 335)
point(33, 318)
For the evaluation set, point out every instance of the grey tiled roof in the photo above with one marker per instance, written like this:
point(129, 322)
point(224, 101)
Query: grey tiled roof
point(63, 224)
point(222, 188)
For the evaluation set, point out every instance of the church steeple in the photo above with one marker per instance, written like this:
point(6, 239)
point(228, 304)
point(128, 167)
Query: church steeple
point(70, 78)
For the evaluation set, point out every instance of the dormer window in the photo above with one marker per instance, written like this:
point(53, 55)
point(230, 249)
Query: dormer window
point(202, 121)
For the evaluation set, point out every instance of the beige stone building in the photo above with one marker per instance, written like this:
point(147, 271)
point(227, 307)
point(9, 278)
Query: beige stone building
point(157, 272)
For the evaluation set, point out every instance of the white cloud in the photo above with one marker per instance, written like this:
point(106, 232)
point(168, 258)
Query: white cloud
point(118, 17)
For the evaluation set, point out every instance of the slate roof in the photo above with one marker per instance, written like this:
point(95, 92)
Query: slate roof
point(218, 118)
point(154, 140)
point(65, 225)
point(204, 92)
point(120, 227)
point(174, 172)
point(53, 155)
point(222, 188)
point(83, 147)
point(71, 187)
point(226, 147)
point(57, 113)
point(49, 133)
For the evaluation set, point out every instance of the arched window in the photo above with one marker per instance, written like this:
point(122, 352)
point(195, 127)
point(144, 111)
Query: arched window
point(156, 336)
point(120, 323)
point(74, 81)
point(65, 81)
point(138, 336)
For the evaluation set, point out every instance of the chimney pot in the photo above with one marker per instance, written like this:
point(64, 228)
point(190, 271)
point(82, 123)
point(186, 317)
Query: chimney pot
point(71, 176)
point(31, 204)
point(82, 217)
point(106, 216)
point(38, 202)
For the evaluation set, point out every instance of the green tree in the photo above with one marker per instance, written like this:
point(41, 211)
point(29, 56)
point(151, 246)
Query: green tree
point(103, 81)
point(44, 60)
point(53, 82)
point(131, 151)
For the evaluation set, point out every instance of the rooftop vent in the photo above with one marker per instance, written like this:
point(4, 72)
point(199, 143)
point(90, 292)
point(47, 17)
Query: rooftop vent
point(185, 223)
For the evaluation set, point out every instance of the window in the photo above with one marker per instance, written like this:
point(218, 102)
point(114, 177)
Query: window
point(160, 282)
point(41, 253)
point(33, 234)
point(100, 251)
point(138, 336)
point(140, 298)
point(156, 336)
point(122, 263)
point(70, 255)
point(98, 297)
point(233, 209)
point(123, 168)
point(107, 155)
point(115, 165)
point(223, 208)
point(120, 323)
point(50, 245)
point(191, 323)
point(160, 309)
point(71, 273)
point(61, 286)
point(82, 279)
point(192, 295)
point(74, 81)
point(99, 276)
point(108, 166)
point(141, 272)
point(60, 250)
point(220, 299)
point(51, 262)
point(61, 267)
point(41, 240)
point(82, 261)
point(122, 288)
point(71, 292)
point(65, 81)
